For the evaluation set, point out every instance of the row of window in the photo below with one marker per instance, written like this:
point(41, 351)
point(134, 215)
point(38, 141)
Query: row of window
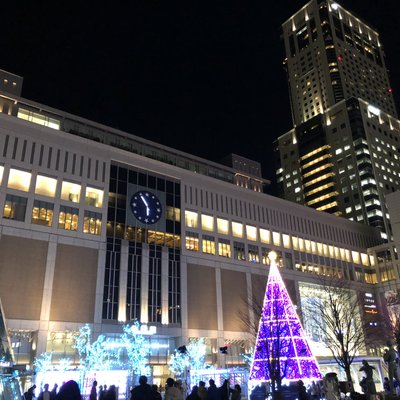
point(43, 214)
point(47, 186)
point(223, 248)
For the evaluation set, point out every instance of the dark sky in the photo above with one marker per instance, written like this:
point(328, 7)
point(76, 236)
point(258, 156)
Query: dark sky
point(202, 77)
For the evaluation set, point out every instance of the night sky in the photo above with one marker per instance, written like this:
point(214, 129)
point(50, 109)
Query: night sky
point(202, 77)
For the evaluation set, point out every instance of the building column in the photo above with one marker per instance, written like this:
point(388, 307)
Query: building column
point(184, 299)
point(220, 318)
point(123, 280)
point(46, 295)
point(101, 267)
point(144, 285)
point(164, 286)
point(250, 299)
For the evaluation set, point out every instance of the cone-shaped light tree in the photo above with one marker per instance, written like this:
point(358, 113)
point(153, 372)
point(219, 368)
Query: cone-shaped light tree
point(282, 351)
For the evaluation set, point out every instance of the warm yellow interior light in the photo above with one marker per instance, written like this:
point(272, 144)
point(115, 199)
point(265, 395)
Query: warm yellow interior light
point(19, 180)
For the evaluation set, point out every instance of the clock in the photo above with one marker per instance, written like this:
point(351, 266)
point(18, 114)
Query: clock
point(146, 207)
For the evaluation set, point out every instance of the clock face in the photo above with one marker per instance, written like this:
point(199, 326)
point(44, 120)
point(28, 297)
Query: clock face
point(146, 207)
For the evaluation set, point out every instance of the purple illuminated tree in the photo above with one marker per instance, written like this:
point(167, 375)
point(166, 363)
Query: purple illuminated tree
point(281, 350)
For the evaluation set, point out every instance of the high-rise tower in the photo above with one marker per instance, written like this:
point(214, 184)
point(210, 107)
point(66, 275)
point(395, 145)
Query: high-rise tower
point(343, 154)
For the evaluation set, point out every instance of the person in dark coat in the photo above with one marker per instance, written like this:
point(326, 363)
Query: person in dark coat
point(69, 391)
point(224, 390)
point(302, 390)
point(156, 393)
point(194, 394)
point(142, 391)
point(111, 393)
point(93, 391)
point(236, 393)
point(212, 391)
point(53, 392)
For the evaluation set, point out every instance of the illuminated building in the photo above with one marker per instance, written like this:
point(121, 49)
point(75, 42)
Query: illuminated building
point(103, 227)
point(342, 155)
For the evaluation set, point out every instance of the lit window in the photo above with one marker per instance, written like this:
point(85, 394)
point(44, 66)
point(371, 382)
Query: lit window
point(71, 191)
point(276, 238)
point(301, 244)
point(208, 244)
point(224, 248)
point(191, 219)
point(356, 257)
point(94, 197)
point(37, 118)
point(15, 208)
point(1, 173)
point(207, 222)
point(320, 249)
point(307, 245)
point(42, 213)
point(46, 186)
point(286, 241)
point(68, 218)
point(253, 254)
point(19, 180)
point(364, 259)
point(192, 241)
point(237, 229)
point(295, 242)
point(238, 251)
point(92, 223)
point(251, 232)
point(265, 235)
point(223, 226)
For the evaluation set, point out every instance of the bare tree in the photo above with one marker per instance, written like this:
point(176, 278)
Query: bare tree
point(334, 311)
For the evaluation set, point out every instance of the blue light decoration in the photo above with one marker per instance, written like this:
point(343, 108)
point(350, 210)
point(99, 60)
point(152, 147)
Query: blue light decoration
point(281, 338)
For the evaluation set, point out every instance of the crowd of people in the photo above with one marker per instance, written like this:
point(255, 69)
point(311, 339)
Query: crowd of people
point(175, 390)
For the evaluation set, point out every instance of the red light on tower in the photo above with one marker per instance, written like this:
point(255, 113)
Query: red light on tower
point(340, 58)
point(390, 90)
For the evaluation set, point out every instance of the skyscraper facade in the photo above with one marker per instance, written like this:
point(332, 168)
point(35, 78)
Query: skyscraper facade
point(342, 155)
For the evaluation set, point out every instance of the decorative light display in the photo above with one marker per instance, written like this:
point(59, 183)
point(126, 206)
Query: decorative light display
point(281, 338)
point(138, 349)
point(193, 356)
point(43, 363)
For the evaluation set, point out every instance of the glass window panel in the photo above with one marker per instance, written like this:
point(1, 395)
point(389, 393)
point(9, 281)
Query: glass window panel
point(191, 219)
point(14, 208)
point(19, 180)
point(276, 238)
point(68, 218)
point(42, 213)
point(237, 229)
point(356, 257)
point(265, 236)
point(251, 232)
point(286, 241)
point(71, 191)
point(92, 223)
point(46, 186)
point(207, 222)
point(223, 226)
point(94, 197)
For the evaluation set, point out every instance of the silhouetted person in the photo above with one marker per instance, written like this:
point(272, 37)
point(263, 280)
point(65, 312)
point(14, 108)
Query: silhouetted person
point(172, 392)
point(53, 392)
point(194, 395)
point(111, 393)
point(212, 391)
point(45, 394)
point(156, 393)
point(302, 390)
point(30, 393)
point(142, 391)
point(224, 390)
point(69, 391)
point(93, 391)
point(236, 392)
point(202, 391)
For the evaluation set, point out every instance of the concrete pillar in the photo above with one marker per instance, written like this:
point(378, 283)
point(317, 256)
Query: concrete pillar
point(123, 280)
point(144, 285)
point(164, 286)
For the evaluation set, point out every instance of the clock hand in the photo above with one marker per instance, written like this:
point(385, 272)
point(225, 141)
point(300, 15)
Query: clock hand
point(147, 206)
